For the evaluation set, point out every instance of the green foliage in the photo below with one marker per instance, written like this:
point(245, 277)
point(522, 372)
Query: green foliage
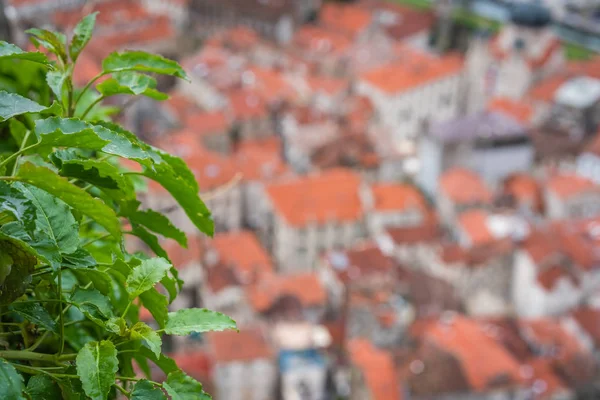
point(69, 292)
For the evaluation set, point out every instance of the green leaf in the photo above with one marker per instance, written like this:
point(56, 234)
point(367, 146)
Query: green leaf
point(144, 390)
point(93, 304)
point(130, 83)
point(185, 192)
point(36, 314)
point(19, 207)
point(149, 239)
point(55, 219)
point(53, 41)
point(80, 258)
point(183, 387)
point(65, 132)
point(158, 223)
point(166, 364)
point(125, 144)
point(146, 275)
point(12, 104)
point(11, 382)
point(142, 62)
point(71, 389)
point(117, 325)
point(10, 51)
point(97, 366)
point(19, 277)
point(42, 387)
point(82, 35)
point(74, 196)
point(141, 331)
point(188, 320)
point(18, 131)
point(156, 303)
point(56, 80)
point(99, 278)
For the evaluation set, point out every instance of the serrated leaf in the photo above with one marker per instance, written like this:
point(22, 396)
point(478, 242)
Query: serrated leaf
point(65, 132)
point(93, 304)
point(12, 104)
point(125, 144)
point(149, 239)
point(11, 382)
point(156, 303)
point(71, 389)
point(158, 223)
point(117, 326)
point(10, 51)
point(42, 387)
point(183, 387)
point(141, 331)
point(166, 364)
point(53, 41)
point(80, 258)
point(55, 220)
point(185, 192)
point(74, 196)
point(130, 83)
point(82, 35)
point(188, 320)
point(146, 275)
point(144, 390)
point(142, 62)
point(100, 279)
point(36, 314)
point(15, 203)
point(97, 367)
point(56, 80)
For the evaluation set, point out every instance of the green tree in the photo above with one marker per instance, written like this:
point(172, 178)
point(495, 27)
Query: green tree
point(69, 292)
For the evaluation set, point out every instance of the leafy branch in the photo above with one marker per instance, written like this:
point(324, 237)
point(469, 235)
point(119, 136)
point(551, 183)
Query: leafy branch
point(69, 292)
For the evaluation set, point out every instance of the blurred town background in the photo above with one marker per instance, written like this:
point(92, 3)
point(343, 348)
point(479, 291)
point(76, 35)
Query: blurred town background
point(406, 193)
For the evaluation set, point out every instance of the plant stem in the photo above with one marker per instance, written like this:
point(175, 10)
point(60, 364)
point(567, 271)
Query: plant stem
point(87, 86)
point(15, 155)
point(95, 240)
point(23, 143)
point(126, 378)
point(60, 314)
point(26, 355)
point(122, 390)
point(87, 110)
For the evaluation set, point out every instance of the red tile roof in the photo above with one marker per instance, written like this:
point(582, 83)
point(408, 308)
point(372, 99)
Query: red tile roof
point(568, 185)
point(243, 252)
point(347, 19)
point(260, 160)
point(244, 346)
point(321, 41)
point(195, 363)
point(413, 70)
point(359, 263)
point(544, 90)
point(550, 277)
point(271, 84)
point(377, 368)
point(474, 224)
point(525, 190)
point(330, 196)
point(428, 232)
point(307, 288)
point(589, 320)
point(463, 186)
point(551, 335)
point(207, 123)
point(546, 382)
point(181, 257)
point(482, 358)
point(398, 197)
point(247, 104)
point(519, 110)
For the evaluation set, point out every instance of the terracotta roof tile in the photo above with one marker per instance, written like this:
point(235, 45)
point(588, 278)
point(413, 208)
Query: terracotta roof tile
point(552, 337)
point(181, 257)
point(474, 224)
point(544, 379)
point(356, 264)
point(464, 186)
point(307, 288)
point(568, 185)
point(519, 110)
point(428, 232)
point(329, 196)
point(247, 104)
point(525, 190)
point(181, 106)
point(398, 197)
point(207, 123)
point(589, 319)
point(195, 363)
point(244, 346)
point(270, 84)
point(544, 90)
point(347, 19)
point(261, 160)
point(321, 41)
point(482, 358)
point(377, 368)
point(413, 70)
point(550, 277)
point(243, 252)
